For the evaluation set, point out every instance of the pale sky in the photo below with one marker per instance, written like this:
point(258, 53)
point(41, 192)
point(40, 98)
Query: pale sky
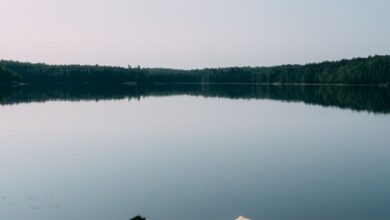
point(192, 33)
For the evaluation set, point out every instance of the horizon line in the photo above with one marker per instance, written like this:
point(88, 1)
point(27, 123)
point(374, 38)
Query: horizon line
point(193, 69)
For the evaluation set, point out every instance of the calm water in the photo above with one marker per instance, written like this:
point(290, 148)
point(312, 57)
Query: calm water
point(193, 157)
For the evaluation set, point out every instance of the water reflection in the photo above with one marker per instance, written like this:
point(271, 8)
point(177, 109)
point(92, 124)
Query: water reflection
point(188, 157)
point(370, 99)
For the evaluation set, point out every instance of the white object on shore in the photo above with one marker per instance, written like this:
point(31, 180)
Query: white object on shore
point(242, 218)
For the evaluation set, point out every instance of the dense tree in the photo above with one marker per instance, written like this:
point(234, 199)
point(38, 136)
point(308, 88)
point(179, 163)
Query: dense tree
point(372, 70)
point(7, 76)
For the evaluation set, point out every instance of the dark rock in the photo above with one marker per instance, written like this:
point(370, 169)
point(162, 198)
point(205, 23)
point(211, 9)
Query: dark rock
point(138, 217)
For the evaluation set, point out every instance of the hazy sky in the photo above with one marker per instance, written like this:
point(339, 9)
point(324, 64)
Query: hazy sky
point(192, 33)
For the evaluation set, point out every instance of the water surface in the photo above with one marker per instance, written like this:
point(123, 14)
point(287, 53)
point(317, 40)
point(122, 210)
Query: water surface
point(193, 156)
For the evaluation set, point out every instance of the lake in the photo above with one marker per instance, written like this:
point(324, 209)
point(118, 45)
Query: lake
point(195, 152)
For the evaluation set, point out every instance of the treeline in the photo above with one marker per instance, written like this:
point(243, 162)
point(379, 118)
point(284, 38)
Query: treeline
point(8, 77)
point(359, 98)
point(368, 71)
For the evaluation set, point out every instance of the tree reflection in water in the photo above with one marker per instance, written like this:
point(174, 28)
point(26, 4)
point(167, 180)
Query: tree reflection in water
point(370, 99)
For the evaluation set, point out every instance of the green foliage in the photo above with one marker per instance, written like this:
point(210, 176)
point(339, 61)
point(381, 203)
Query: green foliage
point(372, 70)
point(7, 76)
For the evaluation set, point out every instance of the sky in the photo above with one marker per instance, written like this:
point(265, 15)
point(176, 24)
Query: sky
point(190, 34)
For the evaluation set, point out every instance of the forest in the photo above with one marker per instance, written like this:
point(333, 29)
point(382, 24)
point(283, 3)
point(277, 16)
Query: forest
point(373, 70)
point(8, 77)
